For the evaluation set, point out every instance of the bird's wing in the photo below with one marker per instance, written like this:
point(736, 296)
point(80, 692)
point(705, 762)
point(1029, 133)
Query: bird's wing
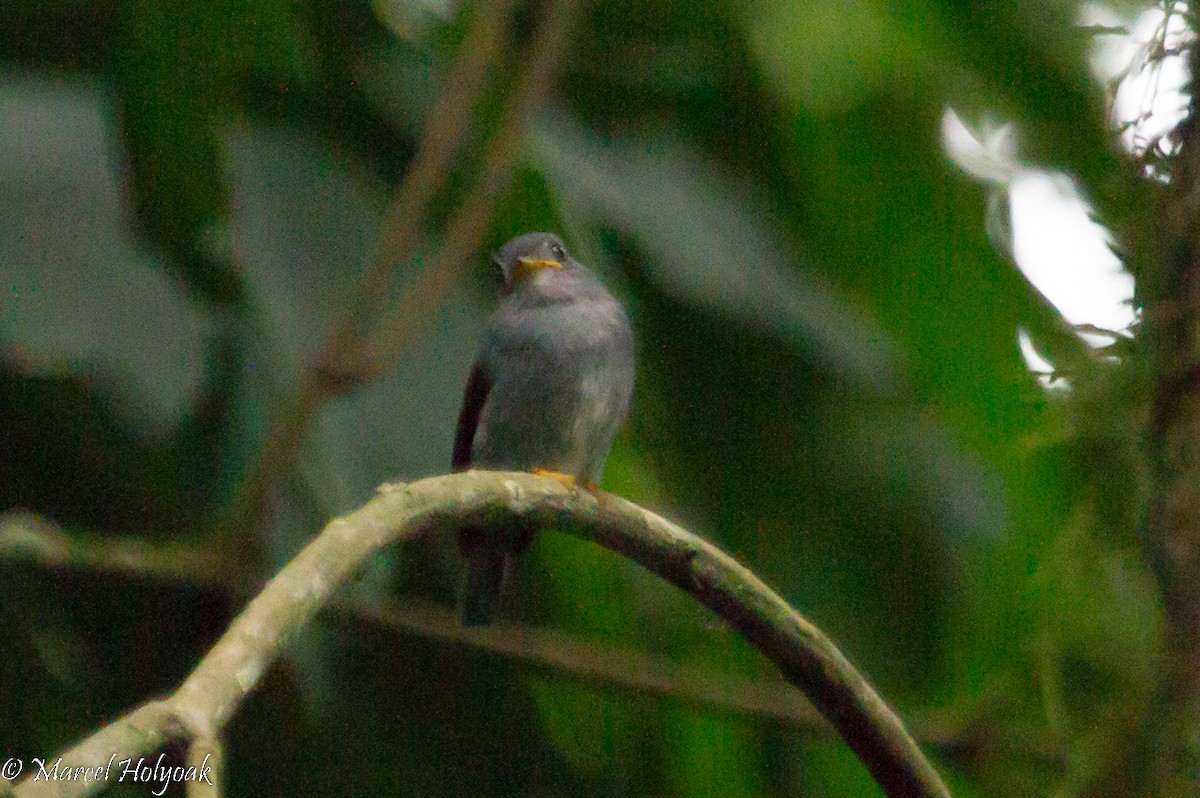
point(479, 385)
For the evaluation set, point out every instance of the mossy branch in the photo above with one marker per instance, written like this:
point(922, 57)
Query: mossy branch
point(208, 698)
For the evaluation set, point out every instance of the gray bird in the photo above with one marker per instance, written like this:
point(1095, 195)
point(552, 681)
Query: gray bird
point(548, 391)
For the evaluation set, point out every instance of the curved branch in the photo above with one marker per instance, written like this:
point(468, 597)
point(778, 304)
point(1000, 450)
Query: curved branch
point(960, 732)
point(208, 698)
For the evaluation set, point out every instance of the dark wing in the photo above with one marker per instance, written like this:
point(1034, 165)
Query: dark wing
point(479, 385)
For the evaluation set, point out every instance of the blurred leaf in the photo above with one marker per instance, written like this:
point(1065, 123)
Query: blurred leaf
point(709, 246)
point(825, 55)
point(708, 755)
point(177, 70)
point(1098, 607)
point(829, 769)
point(597, 733)
point(70, 284)
point(411, 19)
point(1033, 57)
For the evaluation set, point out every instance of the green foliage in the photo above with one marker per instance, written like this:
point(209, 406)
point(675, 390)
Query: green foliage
point(829, 383)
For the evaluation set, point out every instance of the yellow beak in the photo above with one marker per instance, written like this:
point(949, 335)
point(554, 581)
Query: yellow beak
point(527, 267)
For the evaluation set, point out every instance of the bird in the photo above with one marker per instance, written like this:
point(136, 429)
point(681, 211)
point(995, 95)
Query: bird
point(549, 388)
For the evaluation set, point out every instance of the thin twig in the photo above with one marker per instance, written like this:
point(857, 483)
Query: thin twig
point(404, 220)
point(342, 360)
point(208, 698)
point(346, 360)
point(601, 666)
point(957, 732)
point(430, 288)
point(28, 537)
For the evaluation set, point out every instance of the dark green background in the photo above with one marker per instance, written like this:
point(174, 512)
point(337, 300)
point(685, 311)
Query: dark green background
point(829, 383)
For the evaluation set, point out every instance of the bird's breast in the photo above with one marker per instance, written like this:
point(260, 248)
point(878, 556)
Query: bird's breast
point(563, 374)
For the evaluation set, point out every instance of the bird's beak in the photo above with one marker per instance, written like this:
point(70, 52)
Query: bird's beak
point(528, 267)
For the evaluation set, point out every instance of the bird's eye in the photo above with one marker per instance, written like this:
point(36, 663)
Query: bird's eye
point(558, 252)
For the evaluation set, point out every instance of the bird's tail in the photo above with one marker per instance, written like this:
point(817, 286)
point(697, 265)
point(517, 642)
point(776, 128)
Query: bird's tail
point(486, 567)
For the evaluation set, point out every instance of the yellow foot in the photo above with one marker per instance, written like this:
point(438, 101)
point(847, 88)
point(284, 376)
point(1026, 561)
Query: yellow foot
point(566, 480)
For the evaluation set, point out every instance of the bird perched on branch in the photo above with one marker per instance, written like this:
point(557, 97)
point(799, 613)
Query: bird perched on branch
point(549, 389)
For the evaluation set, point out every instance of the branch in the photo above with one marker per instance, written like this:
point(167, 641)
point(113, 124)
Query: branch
point(1172, 313)
point(31, 538)
point(1169, 289)
point(464, 232)
point(564, 654)
point(208, 698)
point(340, 363)
point(963, 734)
point(959, 733)
point(371, 339)
point(28, 536)
point(405, 218)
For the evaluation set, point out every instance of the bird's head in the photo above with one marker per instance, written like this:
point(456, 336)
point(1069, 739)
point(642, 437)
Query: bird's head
point(532, 258)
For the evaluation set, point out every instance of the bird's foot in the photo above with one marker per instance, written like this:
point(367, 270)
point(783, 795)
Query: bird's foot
point(568, 481)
